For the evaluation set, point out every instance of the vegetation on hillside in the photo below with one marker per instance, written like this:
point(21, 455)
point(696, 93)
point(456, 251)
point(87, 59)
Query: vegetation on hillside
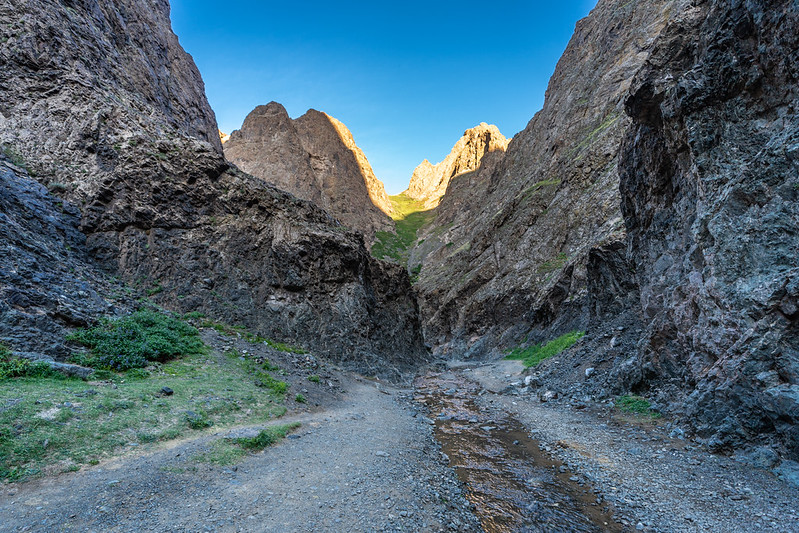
point(637, 405)
point(137, 340)
point(409, 216)
point(532, 355)
point(54, 424)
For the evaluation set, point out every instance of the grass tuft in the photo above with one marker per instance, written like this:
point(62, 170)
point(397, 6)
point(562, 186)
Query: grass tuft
point(532, 355)
point(637, 405)
point(267, 437)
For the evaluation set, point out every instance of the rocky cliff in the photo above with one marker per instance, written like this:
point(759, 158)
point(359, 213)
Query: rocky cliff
point(315, 158)
point(429, 182)
point(652, 202)
point(507, 253)
point(710, 197)
point(102, 105)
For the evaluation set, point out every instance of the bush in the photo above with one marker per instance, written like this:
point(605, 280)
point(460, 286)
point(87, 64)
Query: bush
point(136, 340)
point(11, 367)
point(532, 355)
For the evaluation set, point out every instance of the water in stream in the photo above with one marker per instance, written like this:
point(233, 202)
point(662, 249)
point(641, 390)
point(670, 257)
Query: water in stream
point(514, 486)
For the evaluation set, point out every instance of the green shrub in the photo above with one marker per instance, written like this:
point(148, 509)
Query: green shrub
point(299, 398)
point(267, 381)
point(135, 340)
point(314, 378)
point(532, 355)
point(12, 367)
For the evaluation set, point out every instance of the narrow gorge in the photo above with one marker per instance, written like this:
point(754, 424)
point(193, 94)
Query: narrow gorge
point(643, 225)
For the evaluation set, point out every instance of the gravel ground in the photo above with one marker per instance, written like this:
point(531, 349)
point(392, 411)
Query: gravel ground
point(656, 483)
point(365, 463)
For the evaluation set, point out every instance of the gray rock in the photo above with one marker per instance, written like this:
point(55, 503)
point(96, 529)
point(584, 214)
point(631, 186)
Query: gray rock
point(788, 471)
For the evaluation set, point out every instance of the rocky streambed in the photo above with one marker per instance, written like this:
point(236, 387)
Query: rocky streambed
point(530, 465)
point(512, 483)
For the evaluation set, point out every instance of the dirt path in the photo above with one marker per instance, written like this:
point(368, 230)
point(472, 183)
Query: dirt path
point(367, 463)
point(655, 482)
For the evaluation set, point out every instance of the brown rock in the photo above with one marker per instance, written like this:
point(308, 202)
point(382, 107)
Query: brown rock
point(429, 182)
point(102, 103)
point(315, 158)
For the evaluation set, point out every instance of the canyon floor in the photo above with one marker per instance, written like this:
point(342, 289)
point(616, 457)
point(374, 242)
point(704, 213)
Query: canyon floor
point(367, 459)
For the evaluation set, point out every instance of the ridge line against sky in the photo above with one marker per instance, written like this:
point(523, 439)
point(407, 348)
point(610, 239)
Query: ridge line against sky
point(407, 82)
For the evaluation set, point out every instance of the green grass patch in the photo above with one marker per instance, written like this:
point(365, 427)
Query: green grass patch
point(48, 424)
point(137, 340)
point(533, 189)
point(299, 398)
point(553, 264)
point(637, 405)
point(267, 437)
point(532, 355)
point(409, 216)
point(314, 378)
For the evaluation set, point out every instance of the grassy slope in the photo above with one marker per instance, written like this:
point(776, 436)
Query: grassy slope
point(58, 424)
point(409, 216)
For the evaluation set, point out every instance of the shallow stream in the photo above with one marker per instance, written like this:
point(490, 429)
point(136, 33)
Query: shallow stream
point(514, 486)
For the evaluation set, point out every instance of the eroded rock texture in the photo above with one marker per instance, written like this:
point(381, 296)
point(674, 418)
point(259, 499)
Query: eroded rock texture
point(710, 190)
point(507, 254)
point(102, 103)
point(315, 158)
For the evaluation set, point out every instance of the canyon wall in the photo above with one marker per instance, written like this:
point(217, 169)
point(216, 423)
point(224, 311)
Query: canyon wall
point(507, 253)
point(104, 107)
point(710, 197)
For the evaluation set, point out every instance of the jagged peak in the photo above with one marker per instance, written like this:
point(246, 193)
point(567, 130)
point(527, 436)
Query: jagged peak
point(429, 182)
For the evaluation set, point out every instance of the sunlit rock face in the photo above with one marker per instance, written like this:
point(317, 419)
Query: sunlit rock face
point(224, 137)
point(315, 158)
point(653, 203)
point(103, 105)
point(429, 182)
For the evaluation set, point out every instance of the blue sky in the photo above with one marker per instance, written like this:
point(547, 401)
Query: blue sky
point(407, 78)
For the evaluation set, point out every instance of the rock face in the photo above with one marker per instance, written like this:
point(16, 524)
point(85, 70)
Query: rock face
point(48, 283)
point(507, 253)
point(653, 202)
point(315, 158)
point(106, 108)
point(710, 196)
point(429, 182)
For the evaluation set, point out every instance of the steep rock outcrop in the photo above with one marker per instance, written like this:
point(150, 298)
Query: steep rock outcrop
point(315, 158)
point(105, 107)
point(506, 256)
point(48, 283)
point(429, 182)
point(710, 190)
